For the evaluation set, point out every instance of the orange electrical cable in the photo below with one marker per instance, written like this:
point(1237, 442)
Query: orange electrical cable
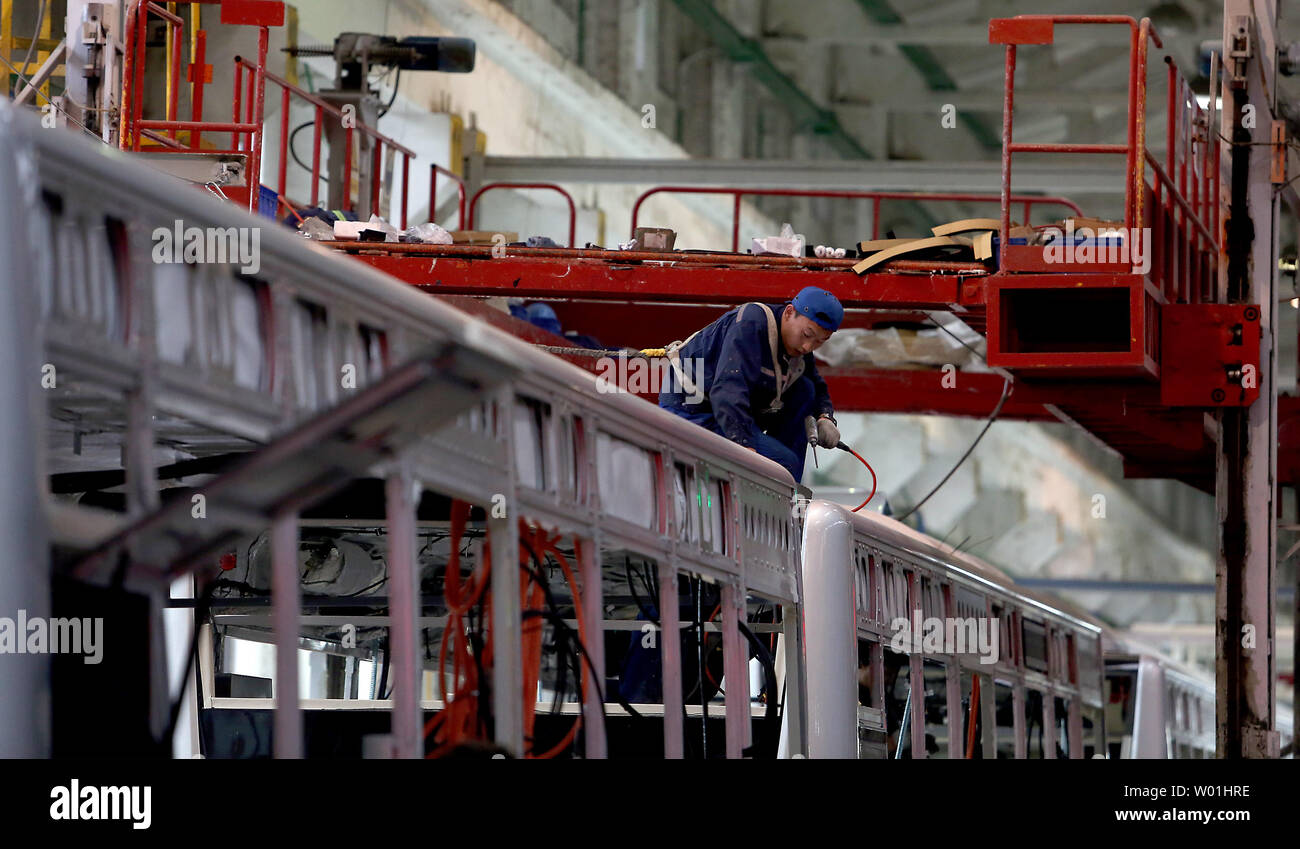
point(548, 546)
point(458, 720)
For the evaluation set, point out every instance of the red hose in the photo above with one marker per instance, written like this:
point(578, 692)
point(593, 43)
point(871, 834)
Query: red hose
point(869, 469)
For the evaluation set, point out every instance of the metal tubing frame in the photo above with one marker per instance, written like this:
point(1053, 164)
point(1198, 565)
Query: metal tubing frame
point(735, 663)
point(1181, 247)
point(738, 193)
point(434, 170)
point(403, 604)
point(197, 83)
point(286, 604)
point(573, 210)
point(323, 107)
point(353, 295)
point(507, 655)
point(246, 134)
point(593, 616)
point(670, 647)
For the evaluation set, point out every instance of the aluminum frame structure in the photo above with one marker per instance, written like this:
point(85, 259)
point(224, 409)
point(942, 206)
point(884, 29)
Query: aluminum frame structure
point(866, 573)
point(156, 357)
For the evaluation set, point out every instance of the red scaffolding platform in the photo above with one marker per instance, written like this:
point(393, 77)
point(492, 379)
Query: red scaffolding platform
point(1109, 346)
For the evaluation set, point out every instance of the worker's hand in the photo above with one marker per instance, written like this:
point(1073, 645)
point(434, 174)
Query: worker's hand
point(751, 448)
point(828, 435)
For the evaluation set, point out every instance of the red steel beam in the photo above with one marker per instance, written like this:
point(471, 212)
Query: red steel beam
point(536, 275)
point(595, 290)
point(647, 325)
point(855, 389)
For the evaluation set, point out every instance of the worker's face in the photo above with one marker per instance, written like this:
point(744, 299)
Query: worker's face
point(800, 334)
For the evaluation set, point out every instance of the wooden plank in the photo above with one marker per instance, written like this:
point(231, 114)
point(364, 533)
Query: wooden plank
point(966, 224)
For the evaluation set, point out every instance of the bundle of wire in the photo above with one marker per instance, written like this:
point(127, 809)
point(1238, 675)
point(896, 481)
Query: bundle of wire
point(468, 638)
point(460, 720)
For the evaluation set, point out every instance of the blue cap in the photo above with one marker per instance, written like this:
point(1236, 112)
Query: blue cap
point(543, 316)
point(821, 306)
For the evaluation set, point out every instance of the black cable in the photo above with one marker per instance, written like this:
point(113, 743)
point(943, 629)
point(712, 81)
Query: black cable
point(293, 135)
point(397, 82)
point(769, 674)
point(636, 597)
point(1006, 390)
point(582, 649)
point(699, 654)
point(383, 675)
point(294, 154)
point(484, 699)
point(563, 636)
point(561, 676)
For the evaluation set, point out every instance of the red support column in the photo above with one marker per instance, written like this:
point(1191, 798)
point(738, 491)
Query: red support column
point(315, 157)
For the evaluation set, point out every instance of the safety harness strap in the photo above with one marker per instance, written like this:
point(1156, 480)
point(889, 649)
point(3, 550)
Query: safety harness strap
point(784, 378)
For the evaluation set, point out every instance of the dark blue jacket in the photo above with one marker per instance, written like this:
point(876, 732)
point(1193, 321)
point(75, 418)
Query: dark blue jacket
point(733, 354)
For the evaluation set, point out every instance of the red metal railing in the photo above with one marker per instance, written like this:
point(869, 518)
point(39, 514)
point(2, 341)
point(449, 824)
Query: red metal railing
point(1185, 239)
point(248, 105)
point(434, 170)
point(133, 76)
point(321, 109)
point(1029, 201)
point(551, 187)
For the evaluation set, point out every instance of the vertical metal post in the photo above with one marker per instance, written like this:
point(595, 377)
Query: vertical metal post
point(593, 615)
point(670, 648)
point(286, 611)
point(1132, 155)
point(1138, 124)
point(1018, 721)
point(347, 169)
point(236, 138)
point(404, 612)
point(794, 712)
point(25, 568)
point(735, 228)
point(315, 156)
point(197, 71)
point(257, 105)
point(406, 185)
point(284, 142)
point(1049, 724)
point(1076, 728)
point(507, 653)
point(956, 728)
point(916, 680)
point(433, 194)
point(174, 36)
point(735, 671)
point(142, 27)
point(376, 176)
point(916, 670)
point(1008, 103)
point(1247, 438)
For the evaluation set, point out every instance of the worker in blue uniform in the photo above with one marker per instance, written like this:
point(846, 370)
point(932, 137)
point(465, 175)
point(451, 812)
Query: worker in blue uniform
point(750, 376)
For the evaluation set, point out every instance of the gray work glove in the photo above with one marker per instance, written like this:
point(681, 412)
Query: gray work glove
point(828, 435)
